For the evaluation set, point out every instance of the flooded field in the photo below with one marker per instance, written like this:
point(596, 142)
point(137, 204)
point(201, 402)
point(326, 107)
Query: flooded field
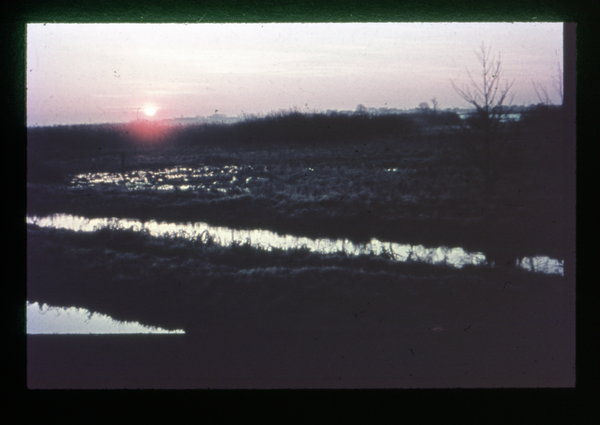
point(337, 264)
point(169, 179)
point(344, 230)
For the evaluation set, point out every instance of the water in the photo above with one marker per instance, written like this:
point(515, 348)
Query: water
point(185, 179)
point(60, 320)
point(542, 264)
point(171, 179)
point(268, 240)
point(515, 117)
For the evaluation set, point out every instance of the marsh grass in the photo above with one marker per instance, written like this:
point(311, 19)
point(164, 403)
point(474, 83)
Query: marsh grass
point(411, 193)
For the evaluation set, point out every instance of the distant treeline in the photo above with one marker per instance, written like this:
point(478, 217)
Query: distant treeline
point(284, 128)
point(280, 128)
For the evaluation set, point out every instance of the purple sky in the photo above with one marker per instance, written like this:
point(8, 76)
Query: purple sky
point(96, 73)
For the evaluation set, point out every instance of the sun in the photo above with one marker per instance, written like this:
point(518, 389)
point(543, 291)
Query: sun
point(150, 110)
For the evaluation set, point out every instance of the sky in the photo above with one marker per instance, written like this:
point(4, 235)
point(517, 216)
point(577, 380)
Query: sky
point(99, 73)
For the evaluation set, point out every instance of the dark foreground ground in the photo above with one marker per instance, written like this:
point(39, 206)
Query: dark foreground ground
point(483, 356)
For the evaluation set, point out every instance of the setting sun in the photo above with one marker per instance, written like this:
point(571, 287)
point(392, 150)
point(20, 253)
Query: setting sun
point(150, 110)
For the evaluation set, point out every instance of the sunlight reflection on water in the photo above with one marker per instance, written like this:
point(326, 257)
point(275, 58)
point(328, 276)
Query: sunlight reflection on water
point(168, 179)
point(268, 240)
point(200, 179)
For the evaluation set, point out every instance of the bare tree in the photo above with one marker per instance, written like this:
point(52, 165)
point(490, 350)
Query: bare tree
point(435, 104)
point(557, 83)
point(489, 99)
point(545, 99)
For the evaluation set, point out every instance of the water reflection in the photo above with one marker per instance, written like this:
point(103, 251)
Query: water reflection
point(201, 179)
point(174, 178)
point(61, 320)
point(542, 264)
point(268, 240)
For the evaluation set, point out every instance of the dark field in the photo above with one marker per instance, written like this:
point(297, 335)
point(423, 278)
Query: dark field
point(293, 318)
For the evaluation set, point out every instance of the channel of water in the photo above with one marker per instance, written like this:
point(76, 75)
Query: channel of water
point(268, 240)
point(59, 320)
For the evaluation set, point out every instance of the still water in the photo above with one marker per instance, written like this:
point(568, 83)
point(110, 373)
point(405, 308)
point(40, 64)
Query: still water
point(60, 320)
point(268, 240)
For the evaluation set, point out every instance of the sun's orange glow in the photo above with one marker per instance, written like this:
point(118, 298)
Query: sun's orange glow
point(147, 131)
point(150, 110)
